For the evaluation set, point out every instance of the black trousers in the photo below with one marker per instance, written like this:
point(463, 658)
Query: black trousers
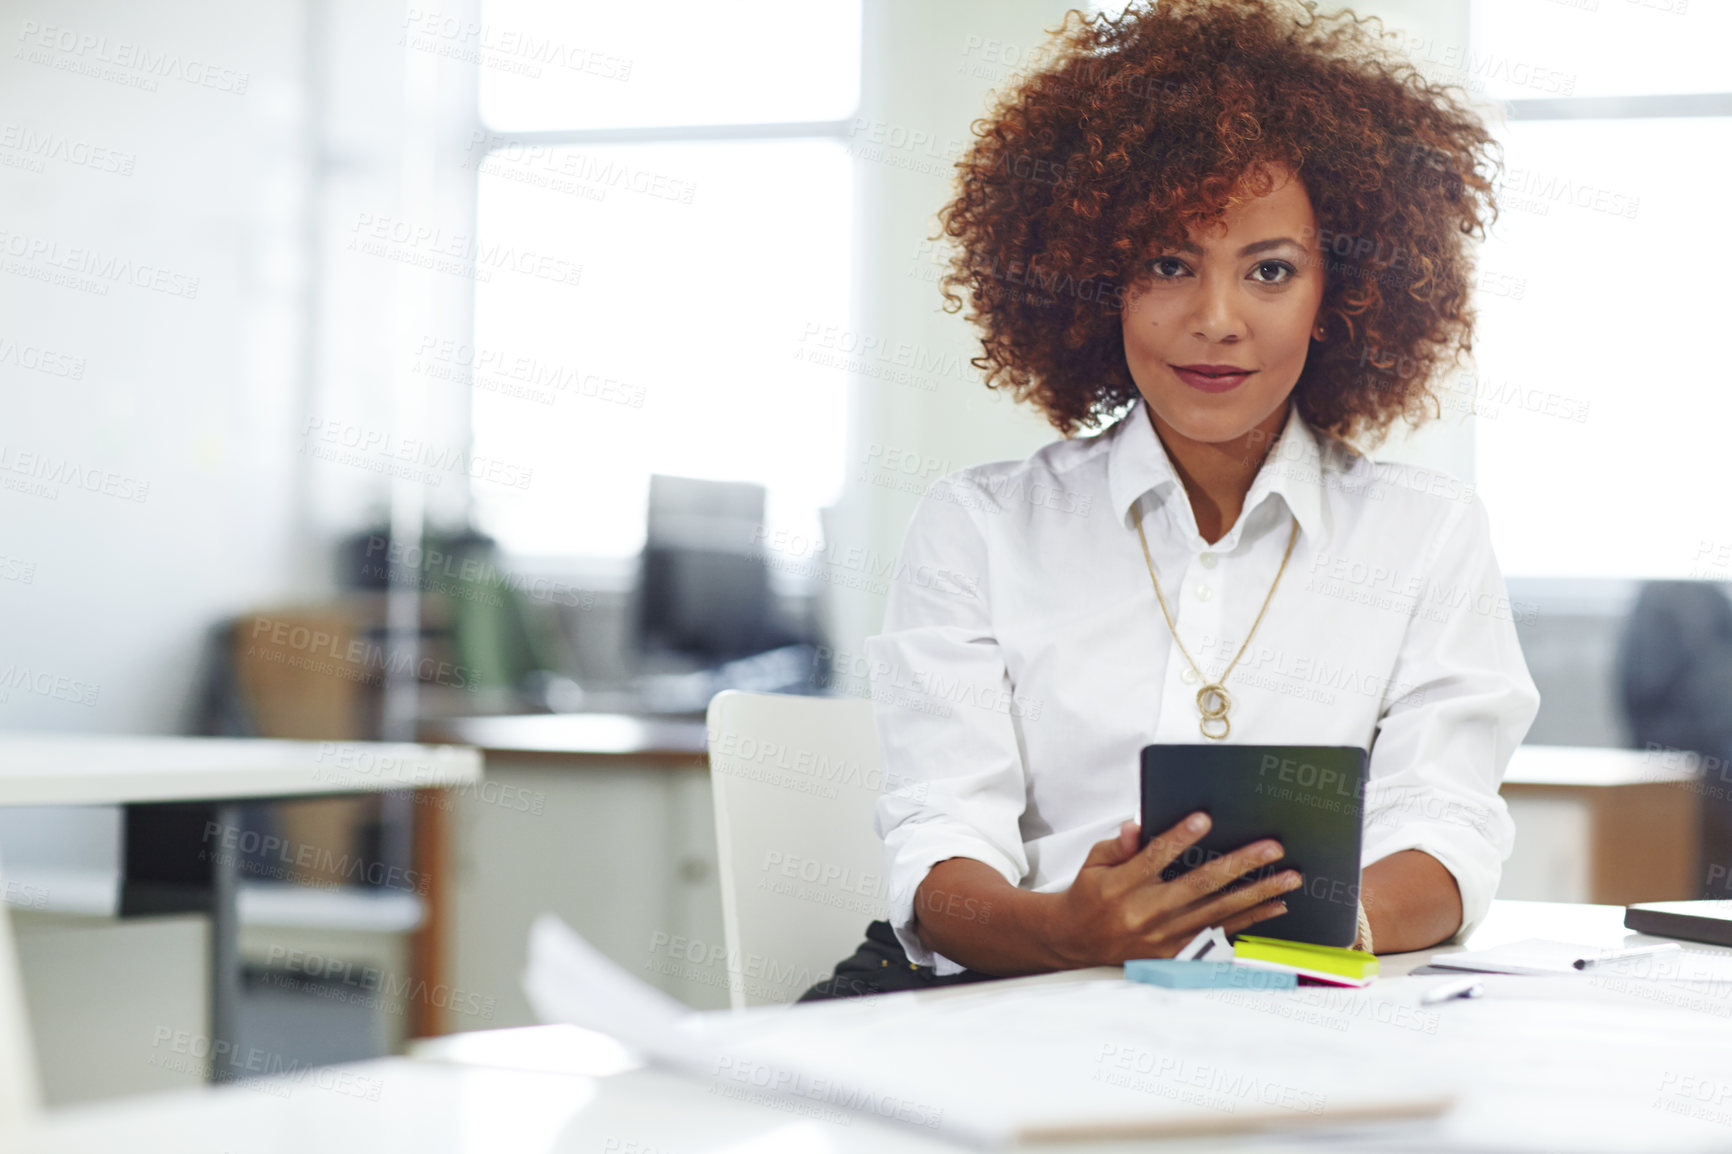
point(881, 966)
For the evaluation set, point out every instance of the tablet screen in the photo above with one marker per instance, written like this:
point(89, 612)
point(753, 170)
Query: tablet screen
point(1310, 798)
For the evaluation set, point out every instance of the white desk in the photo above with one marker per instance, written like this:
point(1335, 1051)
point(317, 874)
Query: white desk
point(55, 769)
point(560, 1089)
point(176, 786)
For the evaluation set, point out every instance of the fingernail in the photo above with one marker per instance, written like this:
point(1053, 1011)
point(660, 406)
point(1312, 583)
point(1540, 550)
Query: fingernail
point(1197, 821)
point(1269, 852)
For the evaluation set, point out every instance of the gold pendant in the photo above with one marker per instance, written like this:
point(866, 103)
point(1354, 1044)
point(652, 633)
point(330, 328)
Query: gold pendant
point(1213, 703)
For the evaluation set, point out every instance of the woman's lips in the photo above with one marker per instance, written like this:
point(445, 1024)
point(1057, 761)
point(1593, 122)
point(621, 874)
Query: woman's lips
point(1209, 384)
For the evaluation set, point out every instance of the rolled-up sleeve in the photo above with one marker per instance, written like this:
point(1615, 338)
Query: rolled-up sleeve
point(941, 706)
point(1461, 701)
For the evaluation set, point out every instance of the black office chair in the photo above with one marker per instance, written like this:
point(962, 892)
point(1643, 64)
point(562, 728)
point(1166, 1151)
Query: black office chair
point(1675, 672)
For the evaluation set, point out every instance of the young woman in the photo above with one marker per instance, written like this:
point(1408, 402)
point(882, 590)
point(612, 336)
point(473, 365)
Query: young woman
point(1242, 229)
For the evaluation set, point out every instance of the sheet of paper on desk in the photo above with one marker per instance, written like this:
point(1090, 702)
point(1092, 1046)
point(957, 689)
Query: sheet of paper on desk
point(1532, 956)
point(1541, 956)
point(998, 1065)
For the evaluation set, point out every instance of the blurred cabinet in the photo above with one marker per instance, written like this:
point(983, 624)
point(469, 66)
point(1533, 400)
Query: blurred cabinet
point(603, 820)
point(1609, 826)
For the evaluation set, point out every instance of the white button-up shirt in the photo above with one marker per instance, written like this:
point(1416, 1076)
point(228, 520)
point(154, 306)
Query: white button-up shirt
point(1024, 661)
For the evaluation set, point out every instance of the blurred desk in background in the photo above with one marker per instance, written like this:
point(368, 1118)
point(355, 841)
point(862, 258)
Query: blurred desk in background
point(1611, 826)
point(604, 819)
point(180, 796)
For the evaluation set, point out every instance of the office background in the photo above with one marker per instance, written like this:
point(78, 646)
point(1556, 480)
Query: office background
point(371, 321)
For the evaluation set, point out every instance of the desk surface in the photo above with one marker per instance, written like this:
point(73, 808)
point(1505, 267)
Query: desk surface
point(66, 769)
point(610, 735)
point(561, 1090)
point(1570, 765)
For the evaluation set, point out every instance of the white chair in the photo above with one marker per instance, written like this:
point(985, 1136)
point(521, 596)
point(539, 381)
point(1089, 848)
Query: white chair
point(20, 1098)
point(795, 780)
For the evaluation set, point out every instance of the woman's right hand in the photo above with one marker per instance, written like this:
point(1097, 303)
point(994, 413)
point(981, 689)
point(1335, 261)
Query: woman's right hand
point(1119, 908)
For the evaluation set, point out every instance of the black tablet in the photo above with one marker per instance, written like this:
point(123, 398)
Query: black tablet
point(1310, 798)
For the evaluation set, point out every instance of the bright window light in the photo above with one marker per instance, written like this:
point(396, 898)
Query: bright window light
point(550, 66)
point(1544, 49)
point(1603, 407)
point(679, 349)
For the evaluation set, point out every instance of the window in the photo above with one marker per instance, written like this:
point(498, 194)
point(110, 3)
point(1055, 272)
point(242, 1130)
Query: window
point(1601, 395)
point(679, 210)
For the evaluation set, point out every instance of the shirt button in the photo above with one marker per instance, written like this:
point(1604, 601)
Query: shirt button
point(1204, 593)
point(1189, 677)
point(1208, 560)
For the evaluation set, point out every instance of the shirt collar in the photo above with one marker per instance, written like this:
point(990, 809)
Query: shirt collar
point(1137, 464)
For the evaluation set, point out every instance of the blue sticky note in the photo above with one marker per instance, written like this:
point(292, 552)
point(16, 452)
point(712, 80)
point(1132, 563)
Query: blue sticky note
point(1177, 975)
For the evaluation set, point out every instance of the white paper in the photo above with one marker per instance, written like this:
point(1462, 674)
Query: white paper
point(1532, 956)
point(990, 1064)
point(1543, 956)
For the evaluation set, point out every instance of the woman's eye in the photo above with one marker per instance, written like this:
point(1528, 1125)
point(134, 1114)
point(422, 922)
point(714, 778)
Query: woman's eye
point(1159, 264)
point(1278, 265)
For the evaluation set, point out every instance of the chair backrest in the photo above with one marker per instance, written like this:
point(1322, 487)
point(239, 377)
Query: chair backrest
point(20, 1097)
point(795, 781)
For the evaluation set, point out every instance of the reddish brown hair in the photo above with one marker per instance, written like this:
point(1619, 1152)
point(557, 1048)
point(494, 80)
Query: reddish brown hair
point(1134, 129)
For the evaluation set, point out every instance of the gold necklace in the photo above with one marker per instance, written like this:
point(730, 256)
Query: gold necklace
point(1212, 699)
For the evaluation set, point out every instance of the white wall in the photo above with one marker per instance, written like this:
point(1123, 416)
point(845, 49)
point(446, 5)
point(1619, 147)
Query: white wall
point(190, 401)
point(230, 150)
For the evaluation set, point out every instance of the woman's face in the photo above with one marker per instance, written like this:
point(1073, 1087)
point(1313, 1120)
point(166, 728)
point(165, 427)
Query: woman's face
point(1246, 299)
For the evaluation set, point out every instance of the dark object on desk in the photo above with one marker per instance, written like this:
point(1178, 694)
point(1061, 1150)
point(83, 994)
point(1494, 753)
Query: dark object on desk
point(1675, 673)
point(1698, 921)
point(881, 966)
point(1308, 797)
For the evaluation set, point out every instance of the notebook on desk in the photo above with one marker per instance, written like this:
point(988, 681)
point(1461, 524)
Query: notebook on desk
point(1708, 920)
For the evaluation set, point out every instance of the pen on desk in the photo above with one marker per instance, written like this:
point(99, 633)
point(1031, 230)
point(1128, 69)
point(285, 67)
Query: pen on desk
point(1444, 991)
point(1632, 952)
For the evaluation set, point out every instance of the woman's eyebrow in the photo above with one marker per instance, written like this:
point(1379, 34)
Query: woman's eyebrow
point(1258, 246)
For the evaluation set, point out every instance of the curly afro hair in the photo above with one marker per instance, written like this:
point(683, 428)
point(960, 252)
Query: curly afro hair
point(1133, 130)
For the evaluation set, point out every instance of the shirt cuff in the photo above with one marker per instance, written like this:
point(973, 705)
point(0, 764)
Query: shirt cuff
point(1473, 852)
point(911, 863)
